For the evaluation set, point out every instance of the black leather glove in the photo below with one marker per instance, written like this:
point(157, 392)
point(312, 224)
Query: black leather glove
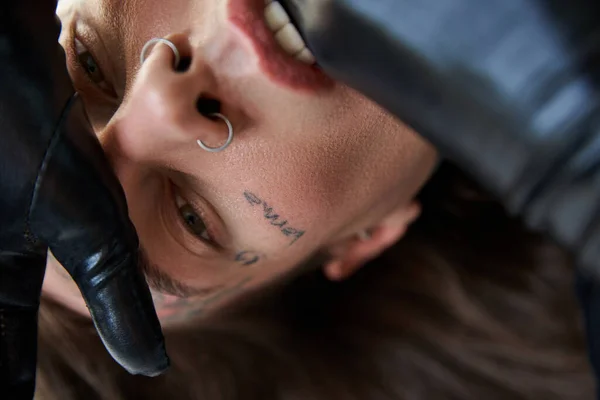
point(508, 89)
point(57, 191)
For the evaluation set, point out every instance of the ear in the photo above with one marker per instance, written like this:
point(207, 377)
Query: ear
point(350, 254)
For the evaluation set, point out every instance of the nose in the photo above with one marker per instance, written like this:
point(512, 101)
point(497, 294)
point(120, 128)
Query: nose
point(169, 106)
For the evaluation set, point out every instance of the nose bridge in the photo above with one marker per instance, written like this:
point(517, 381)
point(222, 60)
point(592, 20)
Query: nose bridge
point(161, 109)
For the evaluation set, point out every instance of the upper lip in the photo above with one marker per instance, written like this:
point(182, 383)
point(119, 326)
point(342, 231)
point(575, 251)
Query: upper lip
point(247, 15)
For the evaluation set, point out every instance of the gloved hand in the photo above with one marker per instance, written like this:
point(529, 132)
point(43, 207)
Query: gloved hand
point(58, 192)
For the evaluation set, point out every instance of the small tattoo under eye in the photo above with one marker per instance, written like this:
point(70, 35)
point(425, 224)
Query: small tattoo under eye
point(247, 257)
point(274, 218)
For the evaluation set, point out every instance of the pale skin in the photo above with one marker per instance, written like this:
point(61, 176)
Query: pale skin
point(306, 171)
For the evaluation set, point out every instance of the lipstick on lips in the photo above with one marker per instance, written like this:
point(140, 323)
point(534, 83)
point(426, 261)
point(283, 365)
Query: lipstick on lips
point(282, 53)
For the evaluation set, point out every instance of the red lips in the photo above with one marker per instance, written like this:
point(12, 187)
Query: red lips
point(247, 15)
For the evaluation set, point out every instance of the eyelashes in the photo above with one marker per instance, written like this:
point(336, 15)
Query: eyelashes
point(86, 68)
point(88, 77)
point(195, 218)
point(192, 219)
point(88, 63)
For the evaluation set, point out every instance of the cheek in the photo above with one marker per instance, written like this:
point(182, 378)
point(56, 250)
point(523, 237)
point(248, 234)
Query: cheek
point(305, 164)
point(298, 188)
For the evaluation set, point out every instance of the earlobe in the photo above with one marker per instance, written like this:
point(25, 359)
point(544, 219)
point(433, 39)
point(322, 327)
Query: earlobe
point(352, 253)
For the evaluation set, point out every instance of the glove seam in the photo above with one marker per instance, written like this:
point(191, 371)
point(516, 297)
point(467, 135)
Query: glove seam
point(29, 233)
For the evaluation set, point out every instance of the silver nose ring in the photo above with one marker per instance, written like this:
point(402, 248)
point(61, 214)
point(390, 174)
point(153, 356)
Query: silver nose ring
point(167, 42)
point(229, 137)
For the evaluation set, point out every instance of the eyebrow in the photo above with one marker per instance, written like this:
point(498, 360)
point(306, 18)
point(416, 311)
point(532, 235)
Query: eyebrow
point(162, 282)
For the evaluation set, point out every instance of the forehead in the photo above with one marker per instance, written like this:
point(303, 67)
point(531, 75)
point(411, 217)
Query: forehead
point(115, 14)
point(134, 21)
point(106, 15)
point(94, 7)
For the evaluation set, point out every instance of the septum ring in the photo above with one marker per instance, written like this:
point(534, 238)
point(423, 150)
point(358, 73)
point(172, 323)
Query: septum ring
point(229, 137)
point(165, 42)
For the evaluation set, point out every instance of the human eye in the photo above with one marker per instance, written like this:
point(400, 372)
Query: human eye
point(86, 70)
point(88, 63)
point(90, 72)
point(192, 219)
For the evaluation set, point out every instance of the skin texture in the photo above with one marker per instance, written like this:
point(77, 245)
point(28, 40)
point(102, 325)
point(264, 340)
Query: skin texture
point(306, 171)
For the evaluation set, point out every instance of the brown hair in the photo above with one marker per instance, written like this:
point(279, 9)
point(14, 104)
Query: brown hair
point(468, 306)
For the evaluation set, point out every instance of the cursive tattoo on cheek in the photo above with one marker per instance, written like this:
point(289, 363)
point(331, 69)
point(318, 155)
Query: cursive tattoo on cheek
point(274, 219)
point(178, 309)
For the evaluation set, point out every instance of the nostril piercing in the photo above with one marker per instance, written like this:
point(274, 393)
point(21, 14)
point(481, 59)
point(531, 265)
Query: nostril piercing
point(150, 43)
point(229, 136)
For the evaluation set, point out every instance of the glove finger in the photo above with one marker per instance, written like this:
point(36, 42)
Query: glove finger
point(119, 301)
point(79, 209)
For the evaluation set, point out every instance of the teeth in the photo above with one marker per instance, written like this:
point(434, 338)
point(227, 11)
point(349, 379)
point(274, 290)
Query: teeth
point(275, 16)
point(289, 38)
point(306, 56)
point(286, 33)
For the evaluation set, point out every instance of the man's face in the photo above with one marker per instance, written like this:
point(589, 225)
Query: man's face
point(310, 160)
